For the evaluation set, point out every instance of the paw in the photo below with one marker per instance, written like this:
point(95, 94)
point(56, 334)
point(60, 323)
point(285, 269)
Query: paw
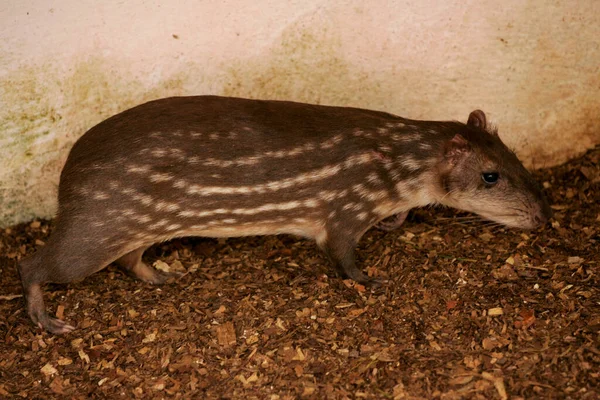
point(55, 325)
point(160, 277)
point(375, 283)
point(392, 223)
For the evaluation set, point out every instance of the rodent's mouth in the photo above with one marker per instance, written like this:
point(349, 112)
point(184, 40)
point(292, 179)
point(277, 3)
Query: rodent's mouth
point(519, 221)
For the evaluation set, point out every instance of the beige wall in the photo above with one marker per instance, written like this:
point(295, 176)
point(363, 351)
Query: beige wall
point(532, 65)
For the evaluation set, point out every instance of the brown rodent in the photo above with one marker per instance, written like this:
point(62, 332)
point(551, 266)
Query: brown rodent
point(221, 167)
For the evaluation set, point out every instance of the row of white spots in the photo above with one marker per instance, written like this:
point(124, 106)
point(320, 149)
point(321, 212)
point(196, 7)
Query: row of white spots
point(331, 195)
point(290, 205)
point(160, 152)
point(307, 177)
point(252, 160)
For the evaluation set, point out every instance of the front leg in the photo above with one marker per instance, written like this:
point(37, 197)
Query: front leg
point(340, 250)
point(393, 222)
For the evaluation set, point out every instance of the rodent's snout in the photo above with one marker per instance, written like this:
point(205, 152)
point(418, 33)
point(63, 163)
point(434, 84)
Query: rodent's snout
point(543, 215)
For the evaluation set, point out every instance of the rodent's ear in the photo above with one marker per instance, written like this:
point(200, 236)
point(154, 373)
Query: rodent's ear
point(477, 119)
point(456, 148)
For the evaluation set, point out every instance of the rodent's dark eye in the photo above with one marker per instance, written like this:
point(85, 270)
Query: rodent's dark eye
point(490, 178)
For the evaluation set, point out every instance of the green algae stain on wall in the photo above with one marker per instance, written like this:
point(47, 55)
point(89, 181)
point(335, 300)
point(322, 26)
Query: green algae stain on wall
point(43, 113)
point(307, 64)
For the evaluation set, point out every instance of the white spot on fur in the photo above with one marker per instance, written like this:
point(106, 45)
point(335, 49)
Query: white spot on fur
point(362, 216)
point(348, 206)
point(180, 184)
point(143, 198)
point(158, 224)
point(311, 203)
point(172, 207)
point(331, 142)
point(425, 146)
point(177, 154)
point(101, 196)
point(143, 219)
point(173, 227)
point(143, 169)
point(328, 195)
point(158, 153)
point(160, 177)
point(407, 137)
point(410, 163)
point(373, 178)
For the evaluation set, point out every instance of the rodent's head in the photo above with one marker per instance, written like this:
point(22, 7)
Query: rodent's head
point(480, 174)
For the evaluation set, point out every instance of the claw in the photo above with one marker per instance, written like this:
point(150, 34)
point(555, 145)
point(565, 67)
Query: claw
point(55, 325)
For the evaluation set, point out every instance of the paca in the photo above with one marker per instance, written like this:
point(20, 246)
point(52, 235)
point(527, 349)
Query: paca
point(222, 167)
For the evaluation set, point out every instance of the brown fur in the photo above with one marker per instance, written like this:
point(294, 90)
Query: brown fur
point(215, 166)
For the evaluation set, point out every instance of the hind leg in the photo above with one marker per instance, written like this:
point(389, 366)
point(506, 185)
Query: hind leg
point(69, 255)
point(133, 264)
point(49, 264)
point(37, 311)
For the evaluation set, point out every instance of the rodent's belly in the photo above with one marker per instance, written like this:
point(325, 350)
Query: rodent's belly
point(311, 229)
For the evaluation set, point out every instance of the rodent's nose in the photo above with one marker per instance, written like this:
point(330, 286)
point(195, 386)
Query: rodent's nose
point(539, 220)
point(542, 216)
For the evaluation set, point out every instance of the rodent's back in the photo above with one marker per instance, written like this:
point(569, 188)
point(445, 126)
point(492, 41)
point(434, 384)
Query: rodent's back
point(210, 160)
point(232, 140)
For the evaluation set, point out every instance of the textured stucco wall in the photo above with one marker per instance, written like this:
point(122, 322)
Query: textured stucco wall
point(533, 66)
